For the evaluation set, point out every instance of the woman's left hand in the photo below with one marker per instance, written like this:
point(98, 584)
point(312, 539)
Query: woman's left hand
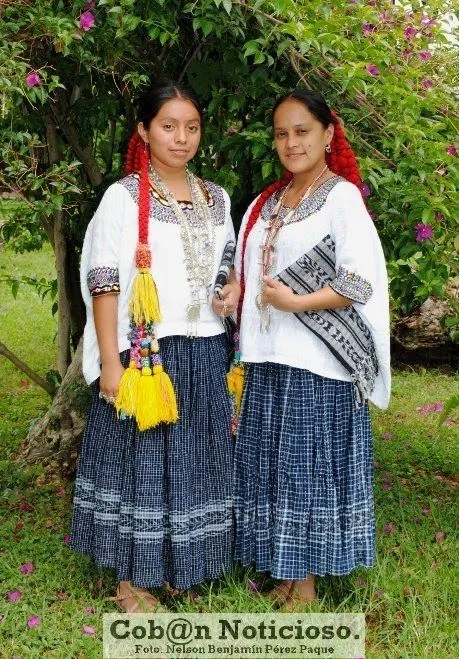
point(229, 299)
point(279, 295)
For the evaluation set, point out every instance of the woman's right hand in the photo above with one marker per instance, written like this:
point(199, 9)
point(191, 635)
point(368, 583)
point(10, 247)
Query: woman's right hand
point(110, 377)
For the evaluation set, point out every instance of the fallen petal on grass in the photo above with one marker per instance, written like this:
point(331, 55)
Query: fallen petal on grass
point(33, 621)
point(14, 595)
point(89, 631)
point(27, 568)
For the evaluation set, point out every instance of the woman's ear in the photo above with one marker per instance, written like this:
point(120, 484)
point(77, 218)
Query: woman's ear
point(142, 132)
point(329, 132)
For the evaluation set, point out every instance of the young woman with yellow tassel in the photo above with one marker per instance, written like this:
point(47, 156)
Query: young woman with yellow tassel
point(153, 492)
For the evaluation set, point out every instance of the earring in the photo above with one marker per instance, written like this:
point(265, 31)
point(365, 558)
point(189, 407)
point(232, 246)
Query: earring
point(328, 148)
point(145, 148)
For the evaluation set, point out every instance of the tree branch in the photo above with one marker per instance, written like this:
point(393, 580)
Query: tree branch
point(44, 384)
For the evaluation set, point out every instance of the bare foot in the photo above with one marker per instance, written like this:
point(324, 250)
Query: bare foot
point(131, 599)
point(302, 592)
point(280, 593)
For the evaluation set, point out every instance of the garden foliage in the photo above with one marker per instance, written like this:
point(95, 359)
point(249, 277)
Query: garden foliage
point(70, 73)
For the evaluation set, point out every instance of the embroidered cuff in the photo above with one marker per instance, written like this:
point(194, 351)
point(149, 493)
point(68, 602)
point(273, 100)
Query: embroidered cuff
point(103, 280)
point(351, 285)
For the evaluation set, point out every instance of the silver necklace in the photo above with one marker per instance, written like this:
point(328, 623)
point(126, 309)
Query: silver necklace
point(198, 240)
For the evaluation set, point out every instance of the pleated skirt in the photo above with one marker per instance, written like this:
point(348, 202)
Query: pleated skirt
point(303, 475)
point(157, 505)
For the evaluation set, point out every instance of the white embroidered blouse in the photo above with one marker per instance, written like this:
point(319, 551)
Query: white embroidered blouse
point(108, 263)
point(361, 276)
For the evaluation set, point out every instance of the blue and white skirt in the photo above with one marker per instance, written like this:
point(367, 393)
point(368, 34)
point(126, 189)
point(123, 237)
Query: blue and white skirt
point(157, 505)
point(303, 475)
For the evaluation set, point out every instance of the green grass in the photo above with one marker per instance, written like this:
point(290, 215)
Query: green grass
point(409, 598)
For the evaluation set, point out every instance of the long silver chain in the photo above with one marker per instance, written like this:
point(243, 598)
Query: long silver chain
point(198, 240)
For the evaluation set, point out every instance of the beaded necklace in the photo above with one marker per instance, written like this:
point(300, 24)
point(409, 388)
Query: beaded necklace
point(273, 227)
point(198, 240)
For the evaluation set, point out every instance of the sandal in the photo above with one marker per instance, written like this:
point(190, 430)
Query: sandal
point(135, 600)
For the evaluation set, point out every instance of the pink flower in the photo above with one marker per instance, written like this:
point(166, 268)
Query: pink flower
point(438, 407)
point(27, 568)
point(440, 536)
point(253, 585)
point(451, 150)
point(427, 84)
point(427, 22)
point(89, 610)
point(61, 492)
point(14, 595)
point(410, 32)
point(91, 4)
point(87, 20)
point(439, 217)
point(388, 528)
point(364, 190)
point(89, 631)
point(424, 55)
point(33, 621)
point(67, 538)
point(387, 485)
point(33, 79)
point(367, 29)
point(1, 618)
point(387, 435)
point(423, 232)
point(25, 505)
point(372, 69)
point(426, 511)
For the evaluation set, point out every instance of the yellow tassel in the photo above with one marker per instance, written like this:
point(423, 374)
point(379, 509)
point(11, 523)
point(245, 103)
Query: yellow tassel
point(127, 392)
point(167, 402)
point(156, 402)
point(235, 379)
point(144, 305)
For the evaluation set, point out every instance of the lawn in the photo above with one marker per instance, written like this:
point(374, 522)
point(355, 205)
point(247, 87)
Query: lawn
point(409, 598)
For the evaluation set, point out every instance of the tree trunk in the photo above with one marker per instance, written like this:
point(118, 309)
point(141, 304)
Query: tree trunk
point(54, 440)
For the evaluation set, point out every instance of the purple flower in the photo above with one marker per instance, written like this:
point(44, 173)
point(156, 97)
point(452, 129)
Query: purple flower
point(364, 190)
point(387, 435)
point(410, 32)
point(33, 621)
point(423, 232)
point(27, 568)
point(67, 538)
point(438, 407)
point(427, 84)
point(425, 54)
point(387, 485)
point(388, 528)
point(367, 29)
point(91, 4)
point(372, 69)
point(87, 20)
point(33, 79)
point(439, 217)
point(451, 150)
point(252, 585)
point(14, 595)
